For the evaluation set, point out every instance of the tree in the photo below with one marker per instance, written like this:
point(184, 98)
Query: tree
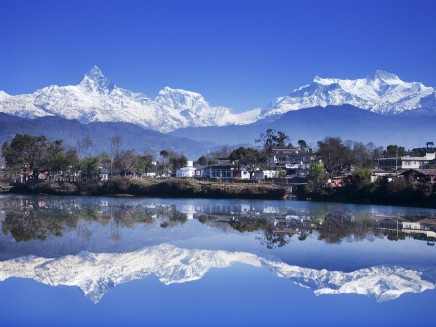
point(90, 168)
point(115, 145)
point(272, 139)
point(223, 152)
point(126, 160)
point(316, 177)
point(248, 156)
point(334, 155)
point(177, 162)
point(83, 145)
point(105, 160)
point(393, 151)
point(144, 164)
point(360, 178)
point(164, 154)
point(303, 145)
point(202, 160)
point(25, 152)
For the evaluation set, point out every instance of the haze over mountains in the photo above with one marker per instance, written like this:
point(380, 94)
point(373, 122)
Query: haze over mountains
point(380, 108)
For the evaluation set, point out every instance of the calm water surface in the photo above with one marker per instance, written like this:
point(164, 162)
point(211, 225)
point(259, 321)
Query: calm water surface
point(190, 262)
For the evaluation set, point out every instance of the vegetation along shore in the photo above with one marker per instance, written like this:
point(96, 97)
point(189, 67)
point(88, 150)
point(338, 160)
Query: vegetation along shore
point(332, 170)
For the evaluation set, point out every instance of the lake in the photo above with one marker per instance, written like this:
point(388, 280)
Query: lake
point(99, 261)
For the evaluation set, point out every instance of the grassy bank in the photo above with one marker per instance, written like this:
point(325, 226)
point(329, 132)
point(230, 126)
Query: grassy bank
point(177, 188)
point(397, 193)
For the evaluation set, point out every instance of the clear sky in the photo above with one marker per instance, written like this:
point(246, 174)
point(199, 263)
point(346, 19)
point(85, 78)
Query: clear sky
point(239, 54)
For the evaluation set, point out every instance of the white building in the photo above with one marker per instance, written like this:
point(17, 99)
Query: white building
point(408, 162)
point(264, 174)
point(186, 172)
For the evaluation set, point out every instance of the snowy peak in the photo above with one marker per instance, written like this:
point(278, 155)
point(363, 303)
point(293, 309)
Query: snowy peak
point(3, 95)
point(96, 99)
point(380, 92)
point(180, 99)
point(95, 81)
point(384, 76)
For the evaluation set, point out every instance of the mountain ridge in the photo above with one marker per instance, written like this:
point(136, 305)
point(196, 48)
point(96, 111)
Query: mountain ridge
point(96, 99)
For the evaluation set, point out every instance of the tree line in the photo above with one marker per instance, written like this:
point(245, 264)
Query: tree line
point(34, 156)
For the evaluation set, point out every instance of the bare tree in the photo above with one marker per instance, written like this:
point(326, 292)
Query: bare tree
point(115, 143)
point(82, 146)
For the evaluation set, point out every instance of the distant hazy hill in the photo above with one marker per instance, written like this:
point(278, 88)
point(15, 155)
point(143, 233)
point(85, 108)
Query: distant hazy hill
point(133, 136)
point(313, 124)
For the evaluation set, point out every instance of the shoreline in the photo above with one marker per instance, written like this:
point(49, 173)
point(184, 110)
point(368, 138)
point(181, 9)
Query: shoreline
point(173, 188)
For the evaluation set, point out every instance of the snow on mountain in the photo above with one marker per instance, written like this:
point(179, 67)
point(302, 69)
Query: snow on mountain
point(380, 92)
point(97, 273)
point(96, 99)
point(3, 95)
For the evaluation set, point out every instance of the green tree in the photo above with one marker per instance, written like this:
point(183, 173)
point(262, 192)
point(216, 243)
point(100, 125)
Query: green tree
point(90, 168)
point(202, 160)
point(303, 145)
point(177, 162)
point(361, 178)
point(393, 151)
point(316, 177)
point(248, 156)
point(25, 152)
point(105, 160)
point(144, 164)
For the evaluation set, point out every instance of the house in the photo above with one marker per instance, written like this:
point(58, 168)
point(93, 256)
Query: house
point(241, 174)
point(380, 173)
point(388, 163)
point(409, 162)
point(265, 174)
point(186, 172)
point(223, 172)
point(289, 156)
point(421, 175)
point(201, 171)
point(422, 158)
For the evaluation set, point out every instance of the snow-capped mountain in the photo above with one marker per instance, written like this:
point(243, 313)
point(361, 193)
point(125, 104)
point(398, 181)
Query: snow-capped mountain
point(96, 99)
point(97, 273)
point(380, 92)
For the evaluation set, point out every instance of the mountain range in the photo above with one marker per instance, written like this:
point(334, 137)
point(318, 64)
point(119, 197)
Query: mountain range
point(96, 99)
point(97, 273)
point(380, 108)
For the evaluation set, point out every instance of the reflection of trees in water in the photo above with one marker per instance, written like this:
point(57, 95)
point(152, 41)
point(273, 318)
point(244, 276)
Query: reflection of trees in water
point(271, 238)
point(30, 219)
point(36, 220)
point(35, 224)
point(339, 226)
point(172, 217)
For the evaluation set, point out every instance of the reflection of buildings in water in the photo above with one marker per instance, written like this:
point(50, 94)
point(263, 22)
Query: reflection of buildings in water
point(188, 209)
point(423, 230)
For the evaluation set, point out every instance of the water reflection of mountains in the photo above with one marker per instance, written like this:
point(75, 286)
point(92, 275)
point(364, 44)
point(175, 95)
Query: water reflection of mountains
point(28, 219)
point(96, 273)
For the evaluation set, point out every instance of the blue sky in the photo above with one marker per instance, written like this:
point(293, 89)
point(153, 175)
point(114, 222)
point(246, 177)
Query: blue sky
point(239, 54)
